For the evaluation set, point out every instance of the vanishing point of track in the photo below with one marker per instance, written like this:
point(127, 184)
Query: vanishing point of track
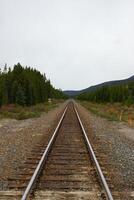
point(67, 167)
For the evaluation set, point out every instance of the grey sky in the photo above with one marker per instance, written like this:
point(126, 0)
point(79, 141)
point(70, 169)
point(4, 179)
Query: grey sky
point(77, 43)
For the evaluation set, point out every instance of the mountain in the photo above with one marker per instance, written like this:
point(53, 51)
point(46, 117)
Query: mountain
point(73, 93)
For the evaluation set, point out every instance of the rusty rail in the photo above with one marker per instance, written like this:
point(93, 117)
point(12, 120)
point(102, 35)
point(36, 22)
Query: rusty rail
point(42, 160)
point(90, 149)
point(49, 147)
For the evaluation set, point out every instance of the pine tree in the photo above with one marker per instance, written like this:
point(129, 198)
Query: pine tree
point(25, 86)
point(20, 96)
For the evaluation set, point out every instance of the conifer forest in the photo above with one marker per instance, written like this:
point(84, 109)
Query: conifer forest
point(25, 86)
point(123, 93)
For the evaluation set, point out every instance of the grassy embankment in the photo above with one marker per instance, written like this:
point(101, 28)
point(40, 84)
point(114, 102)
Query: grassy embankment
point(114, 112)
point(20, 112)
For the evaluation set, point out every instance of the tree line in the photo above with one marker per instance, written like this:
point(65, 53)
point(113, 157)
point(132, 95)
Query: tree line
point(25, 86)
point(119, 93)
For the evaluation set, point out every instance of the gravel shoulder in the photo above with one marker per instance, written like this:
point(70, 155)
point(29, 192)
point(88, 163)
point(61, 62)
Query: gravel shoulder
point(17, 138)
point(116, 141)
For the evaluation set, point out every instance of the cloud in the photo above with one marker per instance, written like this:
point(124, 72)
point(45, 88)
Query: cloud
point(76, 42)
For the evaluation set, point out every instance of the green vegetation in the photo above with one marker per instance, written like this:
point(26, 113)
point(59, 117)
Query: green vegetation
point(114, 102)
point(25, 112)
point(114, 111)
point(25, 87)
point(120, 93)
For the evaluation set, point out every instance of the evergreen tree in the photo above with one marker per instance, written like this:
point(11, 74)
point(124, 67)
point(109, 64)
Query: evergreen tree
point(20, 96)
point(25, 86)
point(120, 93)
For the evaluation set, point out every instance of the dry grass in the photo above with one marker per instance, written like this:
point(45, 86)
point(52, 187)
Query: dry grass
point(19, 112)
point(116, 111)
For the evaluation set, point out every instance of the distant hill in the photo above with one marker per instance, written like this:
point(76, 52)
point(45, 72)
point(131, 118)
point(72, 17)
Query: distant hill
point(73, 93)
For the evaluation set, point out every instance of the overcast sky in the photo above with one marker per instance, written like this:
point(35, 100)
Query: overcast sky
point(77, 43)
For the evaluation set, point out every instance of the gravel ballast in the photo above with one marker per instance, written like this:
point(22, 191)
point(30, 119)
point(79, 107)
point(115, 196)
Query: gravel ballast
point(116, 141)
point(17, 139)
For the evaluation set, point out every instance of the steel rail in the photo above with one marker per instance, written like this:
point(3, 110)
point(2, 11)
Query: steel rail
point(90, 149)
point(42, 160)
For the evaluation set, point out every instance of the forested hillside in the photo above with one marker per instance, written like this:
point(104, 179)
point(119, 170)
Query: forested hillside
point(118, 93)
point(93, 88)
point(25, 86)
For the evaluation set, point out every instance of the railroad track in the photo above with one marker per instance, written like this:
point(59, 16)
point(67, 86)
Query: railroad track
point(66, 168)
